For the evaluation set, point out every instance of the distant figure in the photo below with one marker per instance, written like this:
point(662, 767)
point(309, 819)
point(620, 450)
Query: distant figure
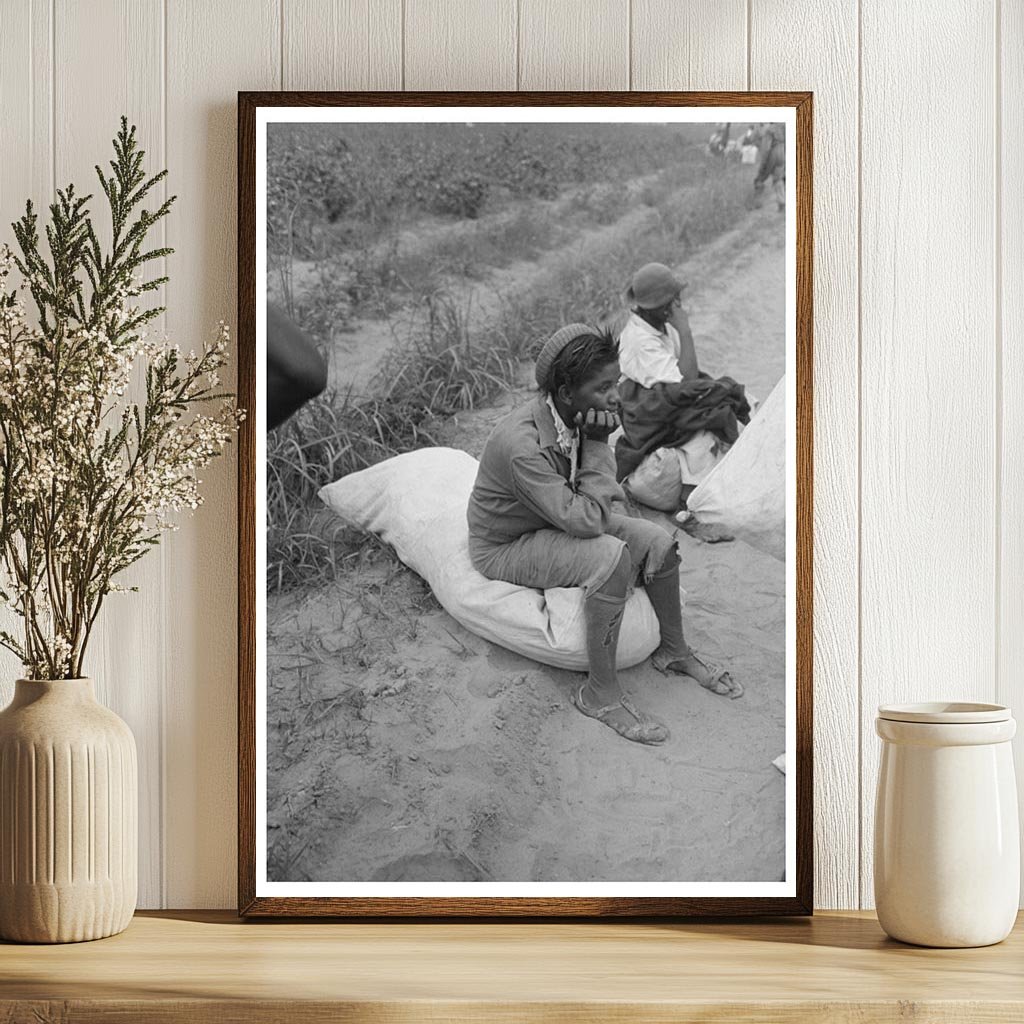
point(296, 372)
point(749, 144)
point(719, 140)
point(773, 164)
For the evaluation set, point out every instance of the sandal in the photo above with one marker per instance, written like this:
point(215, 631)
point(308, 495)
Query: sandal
point(644, 729)
point(717, 680)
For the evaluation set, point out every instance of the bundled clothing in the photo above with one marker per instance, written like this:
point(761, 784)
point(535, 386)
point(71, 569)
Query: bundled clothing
point(699, 419)
point(670, 414)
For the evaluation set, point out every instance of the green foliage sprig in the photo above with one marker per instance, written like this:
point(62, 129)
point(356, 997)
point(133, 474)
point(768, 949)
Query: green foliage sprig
point(89, 477)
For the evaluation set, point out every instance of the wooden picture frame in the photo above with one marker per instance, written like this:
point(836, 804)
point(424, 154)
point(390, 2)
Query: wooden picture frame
point(256, 896)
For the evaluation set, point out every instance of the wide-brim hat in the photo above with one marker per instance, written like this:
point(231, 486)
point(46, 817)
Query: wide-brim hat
point(553, 346)
point(653, 285)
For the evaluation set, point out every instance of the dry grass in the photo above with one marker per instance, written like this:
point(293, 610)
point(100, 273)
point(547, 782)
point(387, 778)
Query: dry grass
point(441, 374)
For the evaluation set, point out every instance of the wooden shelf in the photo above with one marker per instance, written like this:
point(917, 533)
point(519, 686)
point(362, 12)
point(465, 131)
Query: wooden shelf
point(208, 966)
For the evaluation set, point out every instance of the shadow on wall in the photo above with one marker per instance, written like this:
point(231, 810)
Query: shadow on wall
point(201, 561)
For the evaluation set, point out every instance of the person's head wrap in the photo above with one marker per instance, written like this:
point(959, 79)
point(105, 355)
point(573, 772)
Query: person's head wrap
point(553, 346)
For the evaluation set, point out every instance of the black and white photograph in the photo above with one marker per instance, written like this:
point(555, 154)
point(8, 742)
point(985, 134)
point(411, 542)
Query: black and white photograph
point(525, 502)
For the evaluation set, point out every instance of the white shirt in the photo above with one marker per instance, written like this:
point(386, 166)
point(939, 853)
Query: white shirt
point(648, 356)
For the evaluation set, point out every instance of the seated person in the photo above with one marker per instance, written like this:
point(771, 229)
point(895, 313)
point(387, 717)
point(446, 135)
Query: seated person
point(540, 515)
point(296, 371)
point(668, 404)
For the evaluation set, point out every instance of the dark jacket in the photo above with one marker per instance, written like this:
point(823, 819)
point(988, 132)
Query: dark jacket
point(667, 415)
point(523, 481)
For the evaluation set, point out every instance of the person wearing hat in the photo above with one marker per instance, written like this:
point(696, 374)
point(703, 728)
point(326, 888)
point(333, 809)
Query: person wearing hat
point(541, 515)
point(656, 344)
point(677, 422)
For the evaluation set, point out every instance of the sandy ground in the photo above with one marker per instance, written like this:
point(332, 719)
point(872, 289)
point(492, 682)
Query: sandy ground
point(403, 748)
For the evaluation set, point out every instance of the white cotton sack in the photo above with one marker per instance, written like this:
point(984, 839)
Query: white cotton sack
point(658, 481)
point(417, 502)
point(745, 494)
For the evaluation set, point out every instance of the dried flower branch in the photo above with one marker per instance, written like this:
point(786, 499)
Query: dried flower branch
point(89, 478)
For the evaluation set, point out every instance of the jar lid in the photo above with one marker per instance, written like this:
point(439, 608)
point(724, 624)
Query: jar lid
point(945, 712)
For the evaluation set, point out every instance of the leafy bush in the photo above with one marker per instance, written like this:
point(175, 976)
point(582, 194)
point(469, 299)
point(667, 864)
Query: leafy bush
point(462, 196)
point(370, 176)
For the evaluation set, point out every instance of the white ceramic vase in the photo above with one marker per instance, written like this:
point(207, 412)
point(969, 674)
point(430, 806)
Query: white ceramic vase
point(947, 848)
point(68, 815)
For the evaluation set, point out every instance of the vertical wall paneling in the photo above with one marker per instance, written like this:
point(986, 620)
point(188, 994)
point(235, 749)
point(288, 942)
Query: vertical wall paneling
point(928, 346)
point(122, 657)
point(938, 304)
point(26, 101)
point(213, 51)
point(1010, 225)
point(699, 44)
point(574, 44)
point(467, 45)
point(26, 109)
point(342, 44)
point(829, 69)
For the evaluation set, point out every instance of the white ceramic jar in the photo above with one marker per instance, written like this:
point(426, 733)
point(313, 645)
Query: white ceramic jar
point(947, 847)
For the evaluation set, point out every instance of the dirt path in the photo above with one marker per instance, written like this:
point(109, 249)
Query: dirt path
point(737, 303)
point(403, 748)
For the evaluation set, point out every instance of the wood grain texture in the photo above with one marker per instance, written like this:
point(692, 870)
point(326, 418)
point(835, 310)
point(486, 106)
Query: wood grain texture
point(341, 44)
point(831, 72)
point(695, 44)
point(466, 45)
point(1010, 314)
point(26, 123)
point(246, 512)
point(494, 908)
point(206, 967)
point(225, 46)
point(928, 373)
point(802, 902)
point(574, 44)
point(579, 1011)
point(804, 259)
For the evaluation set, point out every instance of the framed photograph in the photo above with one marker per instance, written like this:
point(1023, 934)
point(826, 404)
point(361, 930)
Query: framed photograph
point(525, 504)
